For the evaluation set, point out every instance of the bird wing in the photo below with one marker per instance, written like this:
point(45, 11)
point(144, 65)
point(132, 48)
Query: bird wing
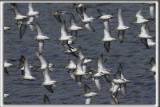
point(87, 88)
point(38, 28)
point(98, 84)
point(89, 28)
point(101, 12)
point(88, 100)
point(46, 99)
point(107, 46)
point(80, 53)
point(15, 8)
point(30, 7)
point(144, 41)
point(49, 88)
point(152, 61)
point(123, 89)
point(100, 62)
point(120, 19)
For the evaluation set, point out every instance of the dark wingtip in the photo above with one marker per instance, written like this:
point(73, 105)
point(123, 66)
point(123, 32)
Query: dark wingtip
point(120, 67)
point(46, 99)
point(49, 88)
point(152, 61)
point(6, 71)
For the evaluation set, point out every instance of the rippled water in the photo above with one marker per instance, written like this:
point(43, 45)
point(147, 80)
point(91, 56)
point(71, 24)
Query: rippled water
point(132, 54)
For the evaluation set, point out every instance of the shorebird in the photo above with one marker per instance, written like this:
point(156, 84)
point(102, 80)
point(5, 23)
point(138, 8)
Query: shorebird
point(121, 25)
point(107, 36)
point(100, 72)
point(6, 28)
point(21, 64)
point(23, 25)
point(46, 99)
point(31, 11)
point(44, 62)
point(27, 73)
point(79, 9)
point(81, 56)
point(21, 19)
point(146, 39)
point(70, 49)
point(80, 71)
point(103, 15)
point(101, 67)
point(71, 66)
point(64, 35)
point(6, 65)
point(153, 68)
point(47, 81)
point(120, 81)
point(140, 18)
point(40, 35)
point(96, 78)
point(57, 14)
point(17, 13)
point(88, 94)
point(32, 14)
point(86, 19)
point(144, 31)
point(73, 26)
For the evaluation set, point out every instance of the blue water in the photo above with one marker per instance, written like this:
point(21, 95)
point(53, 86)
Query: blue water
point(132, 54)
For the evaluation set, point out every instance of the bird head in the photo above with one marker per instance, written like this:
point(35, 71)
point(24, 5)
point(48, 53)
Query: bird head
point(54, 13)
point(35, 37)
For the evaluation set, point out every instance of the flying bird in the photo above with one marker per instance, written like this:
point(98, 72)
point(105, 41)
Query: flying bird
point(140, 18)
point(47, 81)
point(88, 94)
point(27, 72)
point(40, 35)
point(103, 15)
point(107, 36)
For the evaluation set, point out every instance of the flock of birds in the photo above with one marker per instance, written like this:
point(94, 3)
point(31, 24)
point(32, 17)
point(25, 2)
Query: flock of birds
point(78, 68)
